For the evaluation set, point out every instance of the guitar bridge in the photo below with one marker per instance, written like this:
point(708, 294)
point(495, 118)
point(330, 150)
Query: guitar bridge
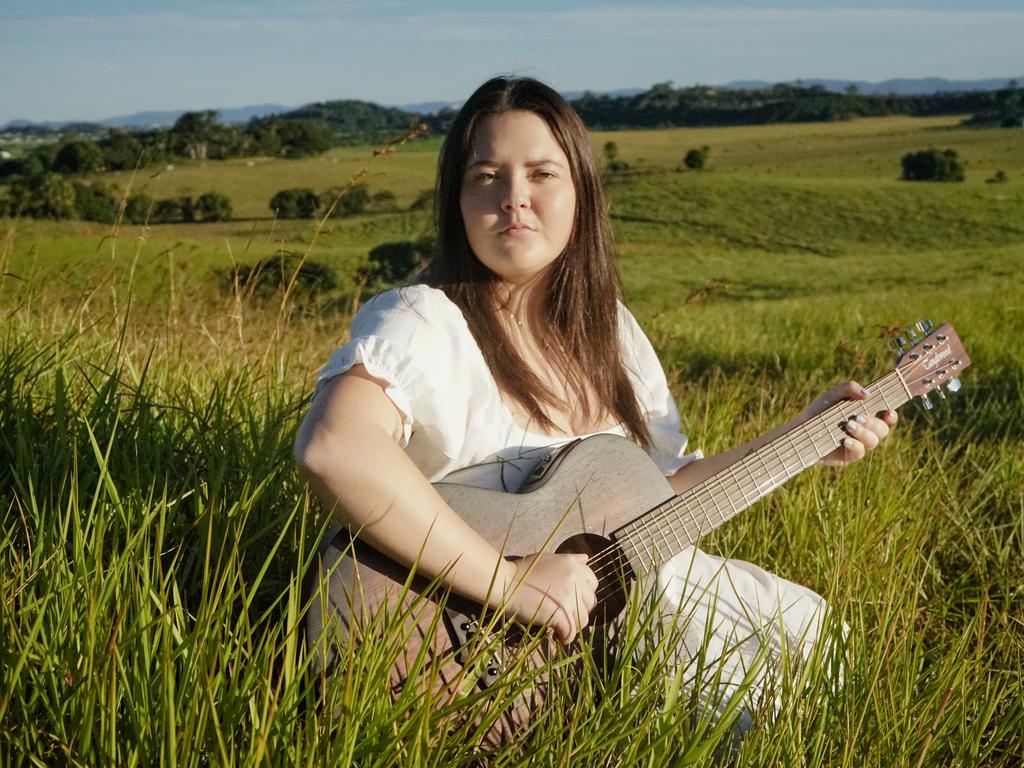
point(469, 638)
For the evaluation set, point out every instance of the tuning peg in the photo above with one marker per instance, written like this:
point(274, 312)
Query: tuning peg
point(899, 344)
point(953, 385)
point(938, 391)
point(928, 404)
point(911, 334)
point(924, 326)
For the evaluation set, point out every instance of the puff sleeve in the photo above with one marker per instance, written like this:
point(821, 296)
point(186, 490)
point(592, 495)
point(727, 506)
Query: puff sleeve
point(417, 341)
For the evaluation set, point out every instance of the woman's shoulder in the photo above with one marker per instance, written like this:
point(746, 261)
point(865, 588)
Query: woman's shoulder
point(417, 298)
point(630, 332)
point(407, 308)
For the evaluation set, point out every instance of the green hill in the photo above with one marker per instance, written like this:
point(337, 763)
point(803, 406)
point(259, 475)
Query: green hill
point(346, 117)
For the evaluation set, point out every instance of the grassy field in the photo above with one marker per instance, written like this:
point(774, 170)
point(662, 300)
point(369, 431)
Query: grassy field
point(154, 532)
point(863, 150)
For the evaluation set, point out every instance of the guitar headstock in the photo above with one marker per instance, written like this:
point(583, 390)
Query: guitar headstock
point(933, 362)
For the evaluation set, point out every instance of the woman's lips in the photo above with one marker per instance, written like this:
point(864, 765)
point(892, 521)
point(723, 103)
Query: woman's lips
point(517, 229)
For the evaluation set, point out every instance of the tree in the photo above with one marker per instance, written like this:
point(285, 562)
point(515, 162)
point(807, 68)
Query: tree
point(188, 209)
point(55, 198)
point(192, 133)
point(167, 212)
point(611, 154)
point(121, 150)
point(31, 165)
point(95, 203)
point(140, 209)
point(661, 96)
point(295, 203)
point(48, 196)
point(264, 139)
point(696, 159)
point(382, 202)
point(391, 263)
point(274, 274)
point(352, 203)
point(932, 165)
point(301, 138)
point(1011, 106)
point(78, 157)
point(213, 206)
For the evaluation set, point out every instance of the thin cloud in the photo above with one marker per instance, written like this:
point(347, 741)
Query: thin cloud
point(648, 22)
point(137, 22)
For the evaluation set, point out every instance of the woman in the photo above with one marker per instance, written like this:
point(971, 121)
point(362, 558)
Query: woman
point(514, 341)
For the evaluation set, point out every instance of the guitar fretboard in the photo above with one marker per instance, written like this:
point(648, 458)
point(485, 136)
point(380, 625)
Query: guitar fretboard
point(681, 521)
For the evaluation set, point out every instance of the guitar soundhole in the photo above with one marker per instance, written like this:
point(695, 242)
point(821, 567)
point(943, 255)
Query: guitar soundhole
point(614, 573)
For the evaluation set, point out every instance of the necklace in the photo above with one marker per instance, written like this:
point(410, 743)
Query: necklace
point(511, 314)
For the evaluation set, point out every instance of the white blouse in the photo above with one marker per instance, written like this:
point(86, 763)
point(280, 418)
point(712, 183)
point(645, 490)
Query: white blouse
point(457, 427)
point(456, 424)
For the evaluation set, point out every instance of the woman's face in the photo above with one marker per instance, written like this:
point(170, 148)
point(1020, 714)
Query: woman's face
point(518, 200)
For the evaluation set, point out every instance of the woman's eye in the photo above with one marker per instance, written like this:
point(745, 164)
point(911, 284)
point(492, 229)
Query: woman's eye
point(543, 175)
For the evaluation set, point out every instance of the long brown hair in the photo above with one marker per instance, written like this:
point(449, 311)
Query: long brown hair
point(584, 284)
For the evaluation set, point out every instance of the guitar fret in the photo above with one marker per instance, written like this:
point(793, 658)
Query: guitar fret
point(768, 472)
point(728, 491)
point(754, 484)
point(675, 535)
point(827, 429)
point(706, 518)
point(906, 389)
point(775, 445)
point(643, 540)
point(722, 516)
point(665, 541)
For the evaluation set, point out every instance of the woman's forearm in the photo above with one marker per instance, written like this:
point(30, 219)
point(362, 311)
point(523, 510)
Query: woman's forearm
point(863, 433)
point(696, 472)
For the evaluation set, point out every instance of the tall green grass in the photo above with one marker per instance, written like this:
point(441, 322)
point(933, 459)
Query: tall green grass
point(153, 534)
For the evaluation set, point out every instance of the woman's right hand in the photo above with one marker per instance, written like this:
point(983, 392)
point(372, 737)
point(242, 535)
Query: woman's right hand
point(557, 590)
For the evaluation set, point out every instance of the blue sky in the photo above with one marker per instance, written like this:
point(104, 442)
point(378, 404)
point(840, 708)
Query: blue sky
point(63, 60)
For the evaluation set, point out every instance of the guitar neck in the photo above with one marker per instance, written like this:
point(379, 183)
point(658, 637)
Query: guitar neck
point(682, 520)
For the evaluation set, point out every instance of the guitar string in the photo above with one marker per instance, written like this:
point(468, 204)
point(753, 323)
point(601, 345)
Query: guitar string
point(796, 446)
point(890, 385)
point(894, 384)
point(651, 530)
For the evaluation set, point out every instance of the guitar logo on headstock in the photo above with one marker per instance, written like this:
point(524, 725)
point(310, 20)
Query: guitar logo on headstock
point(933, 362)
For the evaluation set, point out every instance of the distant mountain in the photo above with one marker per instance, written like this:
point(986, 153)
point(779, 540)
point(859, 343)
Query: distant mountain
point(426, 107)
point(167, 118)
point(386, 117)
point(900, 87)
point(156, 119)
point(573, 95)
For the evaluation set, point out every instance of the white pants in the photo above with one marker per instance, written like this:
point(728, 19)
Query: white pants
point(733, 628)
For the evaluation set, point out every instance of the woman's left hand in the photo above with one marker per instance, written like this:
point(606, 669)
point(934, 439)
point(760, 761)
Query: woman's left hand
point(862, 433)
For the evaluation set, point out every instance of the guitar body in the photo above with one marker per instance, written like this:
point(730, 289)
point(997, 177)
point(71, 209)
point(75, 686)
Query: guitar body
point(573, 502)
